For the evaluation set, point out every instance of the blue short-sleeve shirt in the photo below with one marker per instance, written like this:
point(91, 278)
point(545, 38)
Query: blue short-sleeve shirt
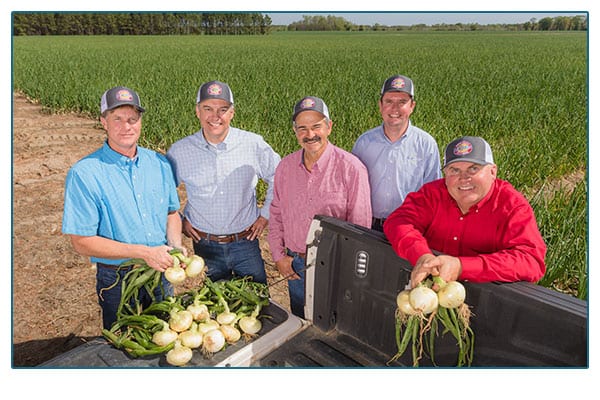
point(123, 199)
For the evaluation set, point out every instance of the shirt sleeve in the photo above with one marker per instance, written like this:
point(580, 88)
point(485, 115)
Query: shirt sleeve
point(275, 234)
point(80, 213)
point(359, 197)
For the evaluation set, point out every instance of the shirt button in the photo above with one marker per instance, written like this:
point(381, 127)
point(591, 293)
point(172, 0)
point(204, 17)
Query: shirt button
point(461, 218)
point(455, 238)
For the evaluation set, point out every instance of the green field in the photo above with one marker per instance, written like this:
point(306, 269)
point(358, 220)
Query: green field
point(525, 92)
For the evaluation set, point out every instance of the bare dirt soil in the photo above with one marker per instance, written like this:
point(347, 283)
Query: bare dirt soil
point(55, 306)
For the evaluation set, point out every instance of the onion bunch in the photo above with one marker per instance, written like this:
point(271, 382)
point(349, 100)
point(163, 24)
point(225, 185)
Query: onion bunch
point(192, 266)
point(207, 318)
point(419, 312)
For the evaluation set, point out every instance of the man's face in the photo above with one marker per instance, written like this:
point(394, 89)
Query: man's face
point(468, 182)
point(396, 108)
point(312, 130)
point(123, 126)
point(215, 116)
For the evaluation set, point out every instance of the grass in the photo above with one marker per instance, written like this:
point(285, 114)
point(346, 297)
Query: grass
point(516, 89)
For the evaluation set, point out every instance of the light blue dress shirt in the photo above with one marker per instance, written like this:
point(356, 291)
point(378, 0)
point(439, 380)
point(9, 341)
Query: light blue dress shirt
point(123, 199)
point(220, 180)
point(396, 169)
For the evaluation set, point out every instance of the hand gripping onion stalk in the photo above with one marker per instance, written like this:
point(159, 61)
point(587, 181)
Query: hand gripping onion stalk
point(419, 313)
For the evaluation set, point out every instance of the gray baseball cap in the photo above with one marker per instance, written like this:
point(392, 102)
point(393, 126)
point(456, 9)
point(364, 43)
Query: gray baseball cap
point(311, 103)
point(398, 83)
point(214, 90)
point(120, 96)
point(468, 148)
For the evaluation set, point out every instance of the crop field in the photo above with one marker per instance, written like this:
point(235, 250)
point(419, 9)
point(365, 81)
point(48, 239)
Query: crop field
point(525, 92)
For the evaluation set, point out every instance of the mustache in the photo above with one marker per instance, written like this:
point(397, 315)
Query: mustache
point(312, 140)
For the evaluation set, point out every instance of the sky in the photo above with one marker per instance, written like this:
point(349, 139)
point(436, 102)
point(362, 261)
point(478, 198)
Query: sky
point(414, 18)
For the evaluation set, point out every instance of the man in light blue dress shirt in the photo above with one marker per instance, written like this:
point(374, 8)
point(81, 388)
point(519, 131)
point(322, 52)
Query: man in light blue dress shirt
point(121, 203)
point(220, 167)
point(399, 156)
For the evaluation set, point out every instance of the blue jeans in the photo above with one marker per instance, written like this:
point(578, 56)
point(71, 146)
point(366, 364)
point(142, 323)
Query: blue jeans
point(226, 260)
point(296, 286)
point(109, 299)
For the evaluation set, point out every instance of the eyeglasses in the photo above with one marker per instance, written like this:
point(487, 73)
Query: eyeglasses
point(304, 130)
point(470, 171)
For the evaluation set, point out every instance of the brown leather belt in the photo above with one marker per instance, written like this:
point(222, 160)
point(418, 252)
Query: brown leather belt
point(233, 237)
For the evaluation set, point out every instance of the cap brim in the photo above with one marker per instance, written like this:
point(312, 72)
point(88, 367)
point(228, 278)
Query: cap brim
point(474, 161)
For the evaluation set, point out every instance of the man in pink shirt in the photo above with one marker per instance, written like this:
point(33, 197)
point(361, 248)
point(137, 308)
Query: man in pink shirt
point(484, 228)
point(320, 178)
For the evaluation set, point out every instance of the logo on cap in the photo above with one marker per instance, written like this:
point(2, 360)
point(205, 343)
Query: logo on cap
point(214, 90)
point(124, 95)
point(398, 83)
point(307, 103)
point(463, 148)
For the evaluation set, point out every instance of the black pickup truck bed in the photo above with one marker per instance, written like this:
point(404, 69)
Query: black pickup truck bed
point(356, 279)
point(353, 278)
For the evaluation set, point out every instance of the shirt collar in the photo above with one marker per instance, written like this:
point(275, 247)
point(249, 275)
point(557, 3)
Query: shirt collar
point(227, 142)
point(407, 133)
point(112, 156)
point(322, 162)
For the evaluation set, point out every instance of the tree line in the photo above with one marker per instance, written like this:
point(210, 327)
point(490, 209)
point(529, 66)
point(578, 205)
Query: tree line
point(333, 23)
point(42, 23)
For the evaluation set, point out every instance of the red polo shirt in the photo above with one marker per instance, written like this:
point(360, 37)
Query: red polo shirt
point(496, 240)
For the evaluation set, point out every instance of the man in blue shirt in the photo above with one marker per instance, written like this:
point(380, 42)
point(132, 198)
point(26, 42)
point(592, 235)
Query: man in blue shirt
point(121, 203)
point(220, 167)
point(399, 156)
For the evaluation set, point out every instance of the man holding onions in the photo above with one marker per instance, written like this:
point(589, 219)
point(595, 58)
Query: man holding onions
point(483, 227)
point(121, 203)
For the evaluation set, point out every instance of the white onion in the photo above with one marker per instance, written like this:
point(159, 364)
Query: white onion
point(423, 299)
point(402, 300)
point(195, 266)
point(231, 333)
point(213, 341)
point(179, 355)
point(226, 318)
point(175, 275)
point(452, 294)
point(199, 311)
point(180, 320)
point(250, 325)
point(191, 338)
point(207, 326)
point(165, 336)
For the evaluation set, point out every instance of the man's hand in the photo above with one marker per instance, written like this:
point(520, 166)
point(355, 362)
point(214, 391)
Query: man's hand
point(446, 267)
point(284, 266)
point(257, 228)
point(159, 258)
point(189, 231)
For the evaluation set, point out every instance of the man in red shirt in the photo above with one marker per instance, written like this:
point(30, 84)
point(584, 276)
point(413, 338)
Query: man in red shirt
point(483, 227)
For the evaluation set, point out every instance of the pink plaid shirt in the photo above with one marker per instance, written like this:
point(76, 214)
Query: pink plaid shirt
point(338, 186)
